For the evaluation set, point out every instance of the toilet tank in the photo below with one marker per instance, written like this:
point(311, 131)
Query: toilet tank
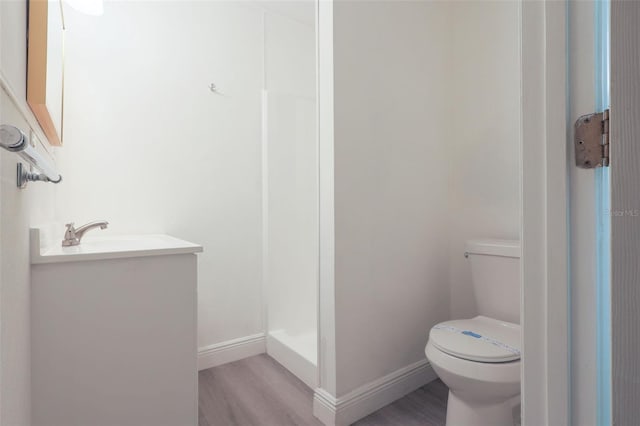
point(495, 272)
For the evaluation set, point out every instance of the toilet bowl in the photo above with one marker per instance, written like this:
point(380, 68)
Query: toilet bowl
point(479, 358)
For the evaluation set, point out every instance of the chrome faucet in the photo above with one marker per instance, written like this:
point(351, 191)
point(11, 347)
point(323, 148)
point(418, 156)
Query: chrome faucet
point(72, 236)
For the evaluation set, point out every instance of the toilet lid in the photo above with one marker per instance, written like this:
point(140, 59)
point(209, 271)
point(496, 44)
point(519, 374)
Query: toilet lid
point(479, 339)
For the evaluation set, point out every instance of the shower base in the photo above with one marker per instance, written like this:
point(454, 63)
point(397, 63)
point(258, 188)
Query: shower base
point(298, 353)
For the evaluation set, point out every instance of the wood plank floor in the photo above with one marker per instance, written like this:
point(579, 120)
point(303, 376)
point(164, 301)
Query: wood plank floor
point(426, 406)
point(258, 391)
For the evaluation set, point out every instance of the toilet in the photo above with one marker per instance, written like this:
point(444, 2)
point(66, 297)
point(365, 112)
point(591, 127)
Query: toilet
point(479, 358)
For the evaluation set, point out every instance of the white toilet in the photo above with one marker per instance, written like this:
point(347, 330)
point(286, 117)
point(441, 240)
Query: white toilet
point(479, 358)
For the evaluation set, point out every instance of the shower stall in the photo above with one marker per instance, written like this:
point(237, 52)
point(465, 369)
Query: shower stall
point(290, 192)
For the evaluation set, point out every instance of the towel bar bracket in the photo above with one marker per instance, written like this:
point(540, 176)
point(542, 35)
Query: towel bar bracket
point(24, 176)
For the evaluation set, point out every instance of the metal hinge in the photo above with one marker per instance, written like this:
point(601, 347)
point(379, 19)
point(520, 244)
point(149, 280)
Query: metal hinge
point(592, 140)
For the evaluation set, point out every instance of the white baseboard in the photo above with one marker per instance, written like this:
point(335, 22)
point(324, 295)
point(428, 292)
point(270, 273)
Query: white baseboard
point(231, 350)
point(371, 397)
point(297, 364)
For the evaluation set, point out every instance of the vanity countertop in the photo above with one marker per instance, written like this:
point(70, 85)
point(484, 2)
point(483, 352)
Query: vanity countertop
point(108, 247)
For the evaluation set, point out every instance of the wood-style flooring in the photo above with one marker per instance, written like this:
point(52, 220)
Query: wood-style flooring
point(258, 391)
point(426, 406)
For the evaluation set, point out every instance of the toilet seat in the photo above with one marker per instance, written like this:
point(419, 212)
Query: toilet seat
point(458, 373)
point(480, 339)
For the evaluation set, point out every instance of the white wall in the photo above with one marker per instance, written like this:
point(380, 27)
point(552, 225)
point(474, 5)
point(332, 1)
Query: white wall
point(19, 209)
point(151, 149)
point(426, 157)
point(391, 238)
point(483, 137)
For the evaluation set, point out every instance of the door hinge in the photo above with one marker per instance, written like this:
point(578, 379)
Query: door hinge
point(592, 140)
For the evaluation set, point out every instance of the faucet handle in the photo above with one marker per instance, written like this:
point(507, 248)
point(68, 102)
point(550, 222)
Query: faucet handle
point(70, 233)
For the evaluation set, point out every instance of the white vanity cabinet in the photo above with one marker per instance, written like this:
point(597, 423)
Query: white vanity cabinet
point(114, 333)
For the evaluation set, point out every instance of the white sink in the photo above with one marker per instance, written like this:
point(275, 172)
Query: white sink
point(111, 247)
